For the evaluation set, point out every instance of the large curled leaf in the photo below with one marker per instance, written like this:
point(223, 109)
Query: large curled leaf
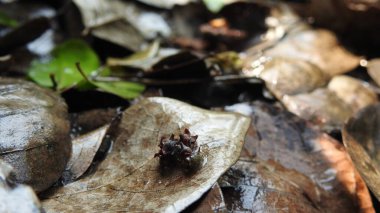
point(130, 177)
point(34, 132)
point(286, 164)
point(62, 65)
point(361, 136)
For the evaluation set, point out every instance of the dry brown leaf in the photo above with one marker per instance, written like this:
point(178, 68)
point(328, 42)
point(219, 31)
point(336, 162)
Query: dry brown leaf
point(84, 149)
point(330, 183)
point(361, 138)
point(130, 179)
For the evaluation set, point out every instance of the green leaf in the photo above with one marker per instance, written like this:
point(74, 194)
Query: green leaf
point(127, 90)
point(7, 21)
point(214, 5)
point(62, 65)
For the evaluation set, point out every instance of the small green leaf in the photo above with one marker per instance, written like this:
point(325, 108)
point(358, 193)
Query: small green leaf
point(214, 5)
point(62, 65)
point(127, 90)
point(7, 21)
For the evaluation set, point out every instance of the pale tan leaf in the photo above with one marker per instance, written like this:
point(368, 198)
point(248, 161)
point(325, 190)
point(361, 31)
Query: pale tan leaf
point(84, 149)
point(130, 179)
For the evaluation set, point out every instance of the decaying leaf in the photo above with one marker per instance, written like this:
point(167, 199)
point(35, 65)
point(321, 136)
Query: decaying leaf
point(319, 47)
point(296, 62)
point(34, 132)
point(211, 201)
point(288, 76)
point(322, 107)
point(284, 158)
point(374, 70)
point(131, 179)
point(84, 149)
point(361, 138)
point(330, 108)
point(290, 38)
point(355, 93)
point(14, 197)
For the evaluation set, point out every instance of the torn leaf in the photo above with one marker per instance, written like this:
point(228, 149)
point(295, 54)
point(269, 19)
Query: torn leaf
point(84, 149)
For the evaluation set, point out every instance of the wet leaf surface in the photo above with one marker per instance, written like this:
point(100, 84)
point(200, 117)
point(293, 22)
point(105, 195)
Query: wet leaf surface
point(322, 107)
point(34, 132)
point(131, 178)
point(287, 76)
point(84, 149)
point(211, 201)
point(14, 197)
point(361, 138)
point(286, 164)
